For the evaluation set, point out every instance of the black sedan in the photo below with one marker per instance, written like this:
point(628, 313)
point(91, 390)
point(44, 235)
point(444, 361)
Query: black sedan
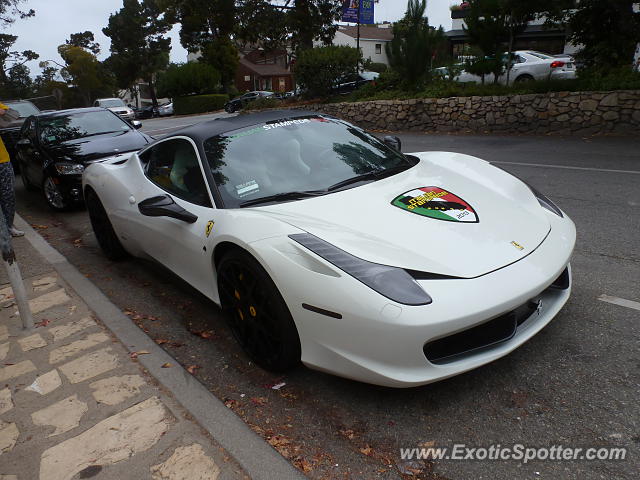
point(54, 149)
point(240, 102)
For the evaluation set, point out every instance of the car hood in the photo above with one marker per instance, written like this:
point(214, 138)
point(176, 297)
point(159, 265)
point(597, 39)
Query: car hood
point(365, 222)
point(83, 150)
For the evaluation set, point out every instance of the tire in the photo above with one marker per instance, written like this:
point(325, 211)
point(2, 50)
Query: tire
point(257, 314)
point(103, 230)
point(229, 108)
point(524, 79)
point(53, 196)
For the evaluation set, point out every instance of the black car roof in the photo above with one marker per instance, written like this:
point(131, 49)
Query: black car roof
point(203, 131)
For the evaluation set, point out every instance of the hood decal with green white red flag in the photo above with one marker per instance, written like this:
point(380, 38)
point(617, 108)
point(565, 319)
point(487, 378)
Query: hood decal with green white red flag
point(437, 203)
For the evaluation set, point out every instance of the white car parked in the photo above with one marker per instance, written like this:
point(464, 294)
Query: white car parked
point(117, 106)
point(529, 65)
point(324, 245)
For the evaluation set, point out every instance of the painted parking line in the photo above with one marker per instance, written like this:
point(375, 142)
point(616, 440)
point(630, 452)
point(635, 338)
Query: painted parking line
point(568, 167)
point(620, 301)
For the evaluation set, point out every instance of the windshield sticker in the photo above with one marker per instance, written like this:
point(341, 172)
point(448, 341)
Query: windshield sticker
point(286, 123)
point(247, 188)
point(247, 133)
point(437, 203)
point(209, 228)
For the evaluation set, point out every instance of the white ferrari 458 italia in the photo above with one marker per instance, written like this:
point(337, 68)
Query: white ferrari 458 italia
point(326, 246)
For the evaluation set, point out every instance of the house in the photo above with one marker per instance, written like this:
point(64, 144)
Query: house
point(536, 35)
point(259, 69)
point(373, 39)
point(263, 70)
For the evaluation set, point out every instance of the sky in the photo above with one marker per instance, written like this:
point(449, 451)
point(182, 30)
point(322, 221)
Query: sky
point(55, 20)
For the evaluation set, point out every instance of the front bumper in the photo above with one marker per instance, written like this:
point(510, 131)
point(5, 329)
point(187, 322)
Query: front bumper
point(381, 342)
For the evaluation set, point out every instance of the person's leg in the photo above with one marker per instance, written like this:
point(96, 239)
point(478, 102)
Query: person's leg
point(8, 196)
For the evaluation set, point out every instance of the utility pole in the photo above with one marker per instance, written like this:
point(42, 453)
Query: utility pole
point(358, 38)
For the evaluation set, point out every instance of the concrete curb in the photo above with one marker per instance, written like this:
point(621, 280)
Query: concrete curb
point(257, 457)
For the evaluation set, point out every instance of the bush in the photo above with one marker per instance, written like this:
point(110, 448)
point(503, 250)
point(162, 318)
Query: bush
point(319, 70)
point(263, 103)
point(188, 79)
point(199, 103)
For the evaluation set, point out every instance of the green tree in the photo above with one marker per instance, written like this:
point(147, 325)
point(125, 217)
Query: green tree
point(10, 9)
point(414, 46)
point(85, 40)
point(608, 30)
point(320, 69)
point(10, 59)
point(139, 49)
point(312, 20)
point(84, 71)
point(208, 27)
point(19, 83)
point(188, 79)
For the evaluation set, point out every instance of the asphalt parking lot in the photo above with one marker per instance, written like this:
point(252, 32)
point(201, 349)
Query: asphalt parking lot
point(575, 384)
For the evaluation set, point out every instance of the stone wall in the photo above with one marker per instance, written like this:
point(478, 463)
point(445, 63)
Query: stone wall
point(579, 113)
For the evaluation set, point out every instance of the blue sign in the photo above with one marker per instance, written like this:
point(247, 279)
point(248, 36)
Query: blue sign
point(350, 11)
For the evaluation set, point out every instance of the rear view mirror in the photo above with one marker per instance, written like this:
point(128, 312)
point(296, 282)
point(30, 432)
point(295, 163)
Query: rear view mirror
point(136, 124)
point(164, 206)
point(393, 142)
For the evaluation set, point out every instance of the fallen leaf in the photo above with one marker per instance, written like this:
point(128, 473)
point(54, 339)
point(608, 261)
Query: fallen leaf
point(161, 341)
point(39, 227)
point(192, 369)
point(167, 365)
point(43, 323)
point(143, 352)
point(259, 400)
point(366, 450)
point(133, 355)
point(206, 334)
point(304, 465)
point(350, 434)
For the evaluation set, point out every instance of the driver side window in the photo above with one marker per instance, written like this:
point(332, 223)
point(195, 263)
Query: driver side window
point(174, 167)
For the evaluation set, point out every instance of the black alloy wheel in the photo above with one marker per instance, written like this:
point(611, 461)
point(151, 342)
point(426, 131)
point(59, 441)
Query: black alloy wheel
point(256, 313)
point(103, 230)
point(52, 194)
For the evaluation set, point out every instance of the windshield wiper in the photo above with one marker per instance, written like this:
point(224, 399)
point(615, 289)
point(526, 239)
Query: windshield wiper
point(283, 196)
point(375, 175)
point(101, 133)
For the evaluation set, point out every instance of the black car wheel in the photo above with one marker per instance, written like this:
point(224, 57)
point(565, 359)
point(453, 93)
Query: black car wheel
point(103, 230)
point(229, 108)
point(524, 79)
point(53, 196)
point(256, 313)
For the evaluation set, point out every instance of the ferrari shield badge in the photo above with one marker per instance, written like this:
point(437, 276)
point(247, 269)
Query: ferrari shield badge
point(435, 202)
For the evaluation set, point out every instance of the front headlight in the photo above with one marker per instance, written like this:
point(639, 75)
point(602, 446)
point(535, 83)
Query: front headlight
point(69, 168)
point(545, 202)
point(394, 283)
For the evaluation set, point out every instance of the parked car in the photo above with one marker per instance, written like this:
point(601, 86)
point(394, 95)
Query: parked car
point(353, 82)
point(528, 65)
point(54, 149)
point(117, 106)
point(148, 111)
point(240, 102)
point(165, 109)
point(11, 123)
point(326, 246)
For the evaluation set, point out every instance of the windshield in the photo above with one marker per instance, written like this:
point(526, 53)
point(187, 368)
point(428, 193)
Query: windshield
point(113, 102)
point(298, 155)
point(78, 125)
point(24, 109)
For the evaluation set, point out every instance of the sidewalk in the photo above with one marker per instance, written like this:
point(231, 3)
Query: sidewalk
point(74, 401)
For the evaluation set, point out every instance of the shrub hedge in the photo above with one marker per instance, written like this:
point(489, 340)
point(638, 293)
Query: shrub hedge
point(199, 103)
